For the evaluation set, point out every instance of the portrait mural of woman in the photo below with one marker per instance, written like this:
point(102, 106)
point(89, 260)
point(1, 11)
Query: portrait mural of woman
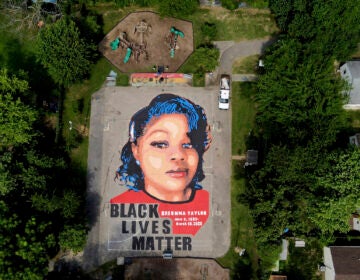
point(163, 157)
point(162, 167)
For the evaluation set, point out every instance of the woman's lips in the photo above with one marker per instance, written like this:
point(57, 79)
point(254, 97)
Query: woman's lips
point(179, 173)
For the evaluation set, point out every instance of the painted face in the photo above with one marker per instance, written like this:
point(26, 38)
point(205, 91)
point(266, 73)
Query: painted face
point(167, 158)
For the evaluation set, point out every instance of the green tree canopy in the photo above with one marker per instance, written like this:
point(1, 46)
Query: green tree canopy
point(337, 187)
point(205, 59)
point(209, 31)
point(178, 8)
point(63, 52)
point(16, 118)
point(306, 190)
point(34, 190)
point(322, 22)
point(299, 96)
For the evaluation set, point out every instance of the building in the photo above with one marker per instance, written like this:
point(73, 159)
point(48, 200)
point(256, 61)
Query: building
point(350, 71)
point(251, 157)
point(342, 262)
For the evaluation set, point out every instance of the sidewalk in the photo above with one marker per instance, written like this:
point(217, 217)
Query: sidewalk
point(244, 77)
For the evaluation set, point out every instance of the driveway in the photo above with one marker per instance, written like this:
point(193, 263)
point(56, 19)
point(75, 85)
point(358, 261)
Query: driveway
point(230, 51)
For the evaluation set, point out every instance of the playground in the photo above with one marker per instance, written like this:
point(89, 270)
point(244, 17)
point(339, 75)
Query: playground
point(144, 40)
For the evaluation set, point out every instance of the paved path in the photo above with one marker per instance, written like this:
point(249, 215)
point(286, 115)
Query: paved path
point(243, 77)
point(238, 157)
point(230, 51)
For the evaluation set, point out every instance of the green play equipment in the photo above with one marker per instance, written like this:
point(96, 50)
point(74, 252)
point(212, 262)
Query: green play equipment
point(177, 32)
point(172, 53)
point(173, 40)
point(128, 54)
point(115, 44)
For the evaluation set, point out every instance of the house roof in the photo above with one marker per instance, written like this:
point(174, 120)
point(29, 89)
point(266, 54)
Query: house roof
point(252, 156)
point(353, 68)
point(346, 260)
point(284, 251)
point(278, 277)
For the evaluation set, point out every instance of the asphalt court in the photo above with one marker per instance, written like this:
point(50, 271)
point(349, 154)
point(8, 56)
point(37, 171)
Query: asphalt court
point(111, 110)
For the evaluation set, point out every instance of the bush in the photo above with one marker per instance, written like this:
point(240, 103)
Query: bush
point(73, 238)
point(209, 31)
point(229, 4)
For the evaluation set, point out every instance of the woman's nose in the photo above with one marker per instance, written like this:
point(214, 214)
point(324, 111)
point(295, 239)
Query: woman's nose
point(177, 153)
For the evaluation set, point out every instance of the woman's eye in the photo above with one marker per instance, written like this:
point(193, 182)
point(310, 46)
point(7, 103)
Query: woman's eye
point(160, 145)
point(187, 146)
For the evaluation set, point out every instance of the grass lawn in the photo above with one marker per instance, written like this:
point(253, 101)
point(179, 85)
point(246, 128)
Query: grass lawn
point(302, 262)
point(242, 24)
point(249, 23)
point(356, 55)
point(354, 118)
point(245, 65)
point(77, 110)
point(112, 14)
point(243, 113)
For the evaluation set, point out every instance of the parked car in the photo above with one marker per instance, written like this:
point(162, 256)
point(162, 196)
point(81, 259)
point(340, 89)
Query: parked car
point(224, 94)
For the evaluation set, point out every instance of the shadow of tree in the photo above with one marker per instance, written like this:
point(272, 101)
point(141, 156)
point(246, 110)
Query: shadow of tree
point(243, 269)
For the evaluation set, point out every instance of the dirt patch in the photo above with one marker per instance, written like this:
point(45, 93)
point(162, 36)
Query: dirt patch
point(188, 269)
point(83, 130)
point(50, 121)
point(150, 40)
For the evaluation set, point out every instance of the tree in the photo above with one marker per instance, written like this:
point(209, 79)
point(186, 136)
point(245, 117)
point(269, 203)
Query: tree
point(337, 25)
point(322, 23)
point(20, 15)
point(62, 51)
point(230, 4)
point(13, 84)
point(178, 8)
point(73, 238)
point(206, 59)
point(282, 9)
point(306, 189)
point(278, 193)
point(16, 118)
point(337, 187)
point(305, 102)
point(209, 31)
point(24, 245)
point(34, 190)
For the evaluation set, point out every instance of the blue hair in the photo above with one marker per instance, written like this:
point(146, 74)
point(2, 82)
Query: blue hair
point(130, 172)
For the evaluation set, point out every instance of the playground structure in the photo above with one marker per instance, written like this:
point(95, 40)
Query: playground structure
point(142, 27)
point(144, 33)
point(132, 48)
point(171, 40)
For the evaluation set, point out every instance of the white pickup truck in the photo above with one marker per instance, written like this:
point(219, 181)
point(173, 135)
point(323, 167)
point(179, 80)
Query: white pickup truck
point(224, 94)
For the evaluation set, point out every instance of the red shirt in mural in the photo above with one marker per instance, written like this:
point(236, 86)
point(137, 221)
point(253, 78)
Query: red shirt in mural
point(187, 217)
